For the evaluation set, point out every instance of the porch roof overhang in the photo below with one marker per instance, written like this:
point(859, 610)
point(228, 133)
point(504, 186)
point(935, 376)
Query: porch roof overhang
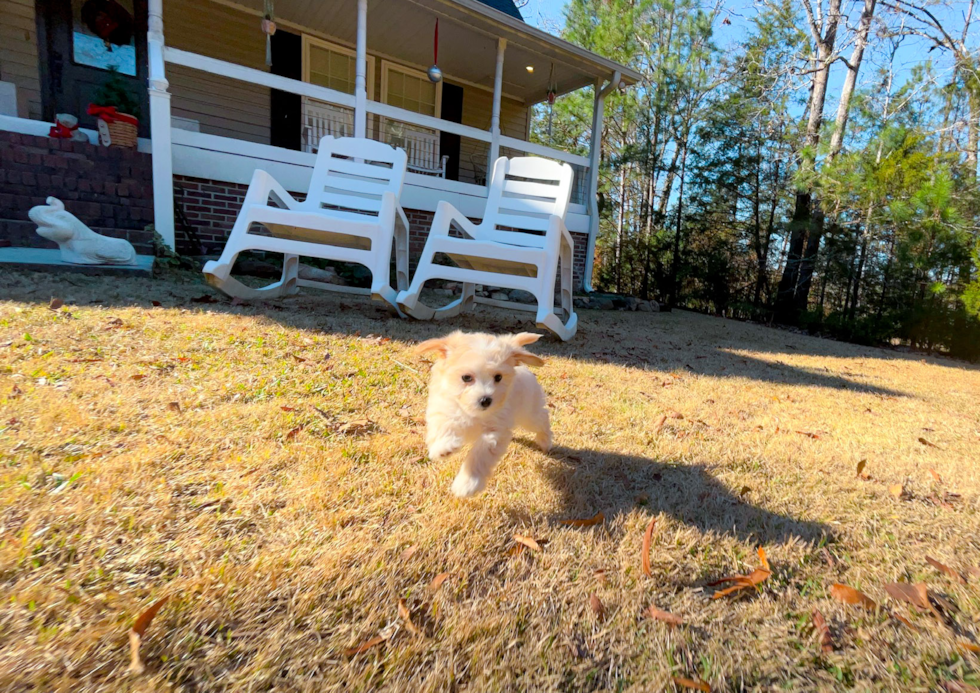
point(402, 30)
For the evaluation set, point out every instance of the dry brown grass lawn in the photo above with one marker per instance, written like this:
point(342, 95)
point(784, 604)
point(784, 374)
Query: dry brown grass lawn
point(283, 537)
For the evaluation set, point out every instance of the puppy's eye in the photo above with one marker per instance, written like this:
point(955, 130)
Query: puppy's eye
point(467, 378)
point(497, 378)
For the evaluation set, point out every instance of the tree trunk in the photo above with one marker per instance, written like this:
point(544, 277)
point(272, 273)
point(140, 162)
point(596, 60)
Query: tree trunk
point(786, 293)
point(623, 193)
point(757, 233)
point(794, 286)
point(674, 288)
point(843, 108)
point(855, 293)
point(973, 124)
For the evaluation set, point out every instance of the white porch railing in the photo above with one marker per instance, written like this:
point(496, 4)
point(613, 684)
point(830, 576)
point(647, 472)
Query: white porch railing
point(327, 111)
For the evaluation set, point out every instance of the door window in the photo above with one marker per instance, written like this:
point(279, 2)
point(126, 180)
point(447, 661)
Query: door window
point(103, 35)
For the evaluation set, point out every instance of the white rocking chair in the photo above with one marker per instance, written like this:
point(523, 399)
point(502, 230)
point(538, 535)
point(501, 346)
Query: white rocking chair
point(518, 244)
point(351, 214)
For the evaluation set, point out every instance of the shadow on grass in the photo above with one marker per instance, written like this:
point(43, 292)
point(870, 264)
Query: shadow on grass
point(667, 343)
point(594, 480)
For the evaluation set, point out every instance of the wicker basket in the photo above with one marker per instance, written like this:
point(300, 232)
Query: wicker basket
point(122, 134)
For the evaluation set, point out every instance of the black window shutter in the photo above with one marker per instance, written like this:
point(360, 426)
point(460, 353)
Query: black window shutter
point(287, 108)
point(449, 144)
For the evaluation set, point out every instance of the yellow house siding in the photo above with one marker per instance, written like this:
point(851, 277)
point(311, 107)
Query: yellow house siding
point(223, 106)
point(18, 55)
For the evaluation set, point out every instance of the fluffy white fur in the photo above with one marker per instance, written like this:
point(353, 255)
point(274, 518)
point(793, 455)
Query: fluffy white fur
point(480, 389)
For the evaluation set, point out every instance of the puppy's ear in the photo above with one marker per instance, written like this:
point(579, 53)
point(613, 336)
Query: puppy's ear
point(522, 356)
point(439, 347)
point(526, 358)
point(525, 338)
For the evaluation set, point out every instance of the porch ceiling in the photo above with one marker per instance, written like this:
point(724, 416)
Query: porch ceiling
point(468, 31)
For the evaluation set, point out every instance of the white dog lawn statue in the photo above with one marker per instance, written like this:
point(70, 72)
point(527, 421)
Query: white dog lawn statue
point(79, 244)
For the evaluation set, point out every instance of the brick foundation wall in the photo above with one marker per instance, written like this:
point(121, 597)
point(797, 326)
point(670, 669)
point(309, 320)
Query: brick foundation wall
point(211, 208)
point(108, 188)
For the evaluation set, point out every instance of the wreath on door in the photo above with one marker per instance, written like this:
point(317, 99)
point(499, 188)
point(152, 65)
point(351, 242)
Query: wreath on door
point(108, 20)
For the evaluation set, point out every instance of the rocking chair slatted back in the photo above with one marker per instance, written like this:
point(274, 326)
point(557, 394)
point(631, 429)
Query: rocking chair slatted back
point(351, 175)
point(524, 193)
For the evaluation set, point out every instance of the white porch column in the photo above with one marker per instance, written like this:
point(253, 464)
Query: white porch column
point(498, 84)
point(595, 156)
point(160, 144)
point(360, 83)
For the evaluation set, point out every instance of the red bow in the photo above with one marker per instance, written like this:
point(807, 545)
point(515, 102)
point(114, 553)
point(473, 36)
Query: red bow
point(110, 115)
point(61, 131)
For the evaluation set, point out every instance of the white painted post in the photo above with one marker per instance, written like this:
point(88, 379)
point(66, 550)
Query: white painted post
point(360, 83)
point(498, 85)
point(595, 155)
point(160, 143)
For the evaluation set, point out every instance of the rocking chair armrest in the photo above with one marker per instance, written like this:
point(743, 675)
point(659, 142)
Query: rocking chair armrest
point(556, 226)
point(271, 189)
point(447, 214)
point(388, 199)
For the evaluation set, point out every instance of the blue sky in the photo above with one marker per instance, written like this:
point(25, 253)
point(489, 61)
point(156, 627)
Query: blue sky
point(548, 15)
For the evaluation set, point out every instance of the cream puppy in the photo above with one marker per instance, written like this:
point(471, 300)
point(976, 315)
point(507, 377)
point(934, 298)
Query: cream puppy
point(480, 389)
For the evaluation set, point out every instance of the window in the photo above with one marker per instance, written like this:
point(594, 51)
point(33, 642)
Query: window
point(411, 90)
point(332, 66)
point(103, 35)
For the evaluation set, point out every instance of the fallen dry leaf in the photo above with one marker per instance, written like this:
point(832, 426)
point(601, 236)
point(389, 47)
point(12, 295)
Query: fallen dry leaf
point(823, 631)
point(299, 359)
point(849, 595)
point(809, 435)
point(743, 491)
point(174, 406)
point(596, 519)
point(917, 595)
point(968, 647)
point(861, 474)
point(285, 408)
point(293, 433)
point(675, 415)
point(407, 617)
point(660, 422)
point(408, 553)
point(690, 683)
point(155, 304)
point(363, 647)
point(665, 616)
point(206, 298)
point(896, 490)
point(137, 376)
point(56, 303)
point(597, 608)
point(927, 443)
point(647, 540)
point(438, 580)
point(528, 542)
point(943, 568)
point(935, 475)
point(959, 687)
point(356, 427)
point(741, 582)
point(904, 621)
point(137, 632)
point(404, 412)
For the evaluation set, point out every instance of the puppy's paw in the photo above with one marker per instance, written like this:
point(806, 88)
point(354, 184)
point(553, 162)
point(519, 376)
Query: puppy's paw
point(543, 441)
point(444, 448)
point(466, 485)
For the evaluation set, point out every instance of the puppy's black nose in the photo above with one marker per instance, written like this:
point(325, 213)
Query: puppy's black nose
point(486, 402)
